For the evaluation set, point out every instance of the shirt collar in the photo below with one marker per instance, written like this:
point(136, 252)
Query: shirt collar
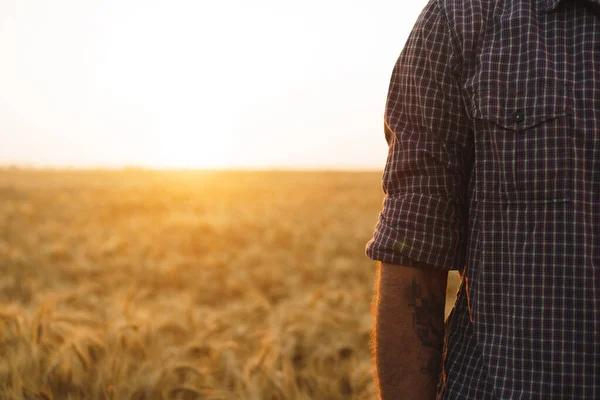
point(547, 5)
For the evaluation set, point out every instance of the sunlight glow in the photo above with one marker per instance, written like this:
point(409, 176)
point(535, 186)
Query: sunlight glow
point(197, 84)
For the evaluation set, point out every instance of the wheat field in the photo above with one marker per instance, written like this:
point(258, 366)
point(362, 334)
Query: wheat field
point(137, 284)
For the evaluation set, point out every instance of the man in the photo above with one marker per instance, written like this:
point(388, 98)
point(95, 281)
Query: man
point(493, 127)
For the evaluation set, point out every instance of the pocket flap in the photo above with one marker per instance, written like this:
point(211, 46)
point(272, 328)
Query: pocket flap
point(518, 108)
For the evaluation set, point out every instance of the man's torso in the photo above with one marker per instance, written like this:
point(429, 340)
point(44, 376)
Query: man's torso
point(527, 320)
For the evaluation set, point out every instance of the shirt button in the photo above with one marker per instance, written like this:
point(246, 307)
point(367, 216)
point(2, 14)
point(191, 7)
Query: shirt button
point(517, 116)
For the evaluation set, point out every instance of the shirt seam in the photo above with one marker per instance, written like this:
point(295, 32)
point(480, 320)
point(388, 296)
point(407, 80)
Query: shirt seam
point(456, 59)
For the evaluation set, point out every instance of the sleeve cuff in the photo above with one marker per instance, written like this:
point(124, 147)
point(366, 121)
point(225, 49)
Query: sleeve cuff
point(426, 231)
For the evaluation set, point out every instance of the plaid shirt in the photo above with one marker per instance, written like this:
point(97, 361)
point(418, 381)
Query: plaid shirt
point(493, 127)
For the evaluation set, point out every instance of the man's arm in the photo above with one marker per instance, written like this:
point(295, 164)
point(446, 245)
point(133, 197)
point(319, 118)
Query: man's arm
point(422, 228)
point(409, 331)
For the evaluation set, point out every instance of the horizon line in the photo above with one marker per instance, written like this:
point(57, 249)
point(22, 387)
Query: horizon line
point(142, 168)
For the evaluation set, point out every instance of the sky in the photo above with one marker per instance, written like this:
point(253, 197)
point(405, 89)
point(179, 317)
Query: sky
point(198, 84)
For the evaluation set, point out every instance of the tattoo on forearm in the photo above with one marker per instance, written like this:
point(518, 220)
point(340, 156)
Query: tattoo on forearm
point(425, 313)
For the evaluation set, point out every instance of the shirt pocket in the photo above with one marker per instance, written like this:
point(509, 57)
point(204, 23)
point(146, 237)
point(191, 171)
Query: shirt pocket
point(523, 143)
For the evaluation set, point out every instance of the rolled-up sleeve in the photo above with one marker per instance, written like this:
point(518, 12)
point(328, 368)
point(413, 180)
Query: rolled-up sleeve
point(427, 128)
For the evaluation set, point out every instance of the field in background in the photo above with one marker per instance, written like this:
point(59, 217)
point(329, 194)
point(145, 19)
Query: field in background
point(186, 285)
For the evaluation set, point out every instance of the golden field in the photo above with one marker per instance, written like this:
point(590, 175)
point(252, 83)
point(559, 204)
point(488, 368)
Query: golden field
point(186, 285)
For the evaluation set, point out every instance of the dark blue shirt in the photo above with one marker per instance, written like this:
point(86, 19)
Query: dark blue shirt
point(493, 127)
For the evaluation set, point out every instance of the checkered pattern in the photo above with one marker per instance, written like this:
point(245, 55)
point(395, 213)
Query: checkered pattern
point(493, 127)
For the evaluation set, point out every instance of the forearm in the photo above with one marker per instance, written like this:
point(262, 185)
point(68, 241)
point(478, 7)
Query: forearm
point(409, 331)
